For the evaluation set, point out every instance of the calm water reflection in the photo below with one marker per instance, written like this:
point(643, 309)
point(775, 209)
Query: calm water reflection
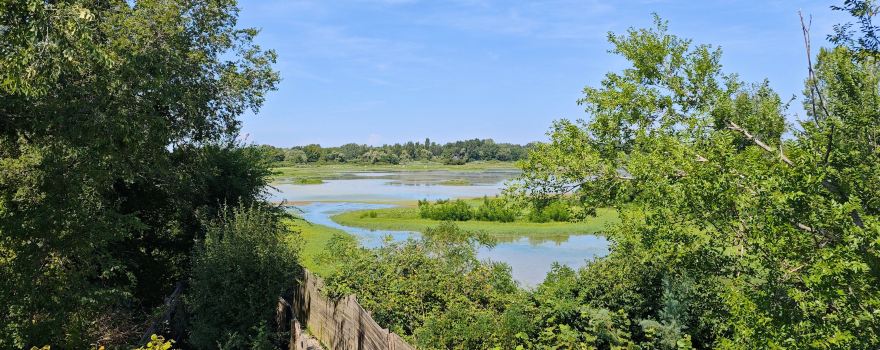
point(529, 259)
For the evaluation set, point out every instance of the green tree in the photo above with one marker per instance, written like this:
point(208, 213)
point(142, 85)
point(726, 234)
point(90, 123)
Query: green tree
point(776, 239)
point(313, 152)
point(110, 111)
point(243, 265)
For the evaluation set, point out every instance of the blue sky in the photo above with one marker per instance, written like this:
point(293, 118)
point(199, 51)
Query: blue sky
point(385, 71)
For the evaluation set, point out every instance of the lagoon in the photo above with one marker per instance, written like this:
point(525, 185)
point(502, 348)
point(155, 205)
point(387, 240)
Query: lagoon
point(529, 258)
point(395, 186)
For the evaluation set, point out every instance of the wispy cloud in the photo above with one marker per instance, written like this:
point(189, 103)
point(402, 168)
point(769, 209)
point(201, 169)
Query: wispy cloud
point(552, 19)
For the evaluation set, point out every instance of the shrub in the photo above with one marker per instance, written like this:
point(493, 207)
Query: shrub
point(372, 214)
point(433, 291)
point(446, 210)
point(239, 271)
point(555, 211)
point(495, 209)
point(157, 342)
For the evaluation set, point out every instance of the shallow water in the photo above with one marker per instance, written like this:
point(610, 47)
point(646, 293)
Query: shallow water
point(395, 186)
point(530, 260)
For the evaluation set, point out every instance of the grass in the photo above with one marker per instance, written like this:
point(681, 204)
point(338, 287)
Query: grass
point(307, 181)
point(455, 182)
point(314, 239)
point(337, 171)
point(407, 219)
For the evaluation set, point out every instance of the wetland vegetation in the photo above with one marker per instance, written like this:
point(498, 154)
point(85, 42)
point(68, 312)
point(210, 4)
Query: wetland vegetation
point(451, 153)
point(408, 219)
point(688, 210)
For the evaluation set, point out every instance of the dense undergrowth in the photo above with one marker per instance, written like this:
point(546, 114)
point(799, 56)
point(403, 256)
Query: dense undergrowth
point(436, 293)
point(503, 209)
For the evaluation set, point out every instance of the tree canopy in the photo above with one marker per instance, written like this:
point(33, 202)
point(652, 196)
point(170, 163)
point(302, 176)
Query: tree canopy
point(118, 122)
point(458, 152)
point(758, 232)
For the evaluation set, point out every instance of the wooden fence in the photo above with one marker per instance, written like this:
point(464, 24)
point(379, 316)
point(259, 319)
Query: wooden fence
point(339, 324)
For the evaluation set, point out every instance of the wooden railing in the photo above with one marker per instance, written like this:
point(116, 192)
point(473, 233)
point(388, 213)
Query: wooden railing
point(339, 324)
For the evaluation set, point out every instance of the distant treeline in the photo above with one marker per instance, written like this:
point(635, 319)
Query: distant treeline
point(458, 152)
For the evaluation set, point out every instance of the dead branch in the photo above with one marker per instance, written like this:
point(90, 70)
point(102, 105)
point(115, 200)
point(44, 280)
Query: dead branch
point(857, 219)
point(814, 89)
point(766, 147)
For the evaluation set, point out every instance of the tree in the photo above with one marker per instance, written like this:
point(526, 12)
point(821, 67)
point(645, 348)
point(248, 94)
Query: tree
point(239, 270)
point(864, 11)
point(776, 239)
point(313, 152)
point(109, 110)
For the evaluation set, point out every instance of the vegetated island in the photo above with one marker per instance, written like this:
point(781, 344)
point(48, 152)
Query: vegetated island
point(407, 218)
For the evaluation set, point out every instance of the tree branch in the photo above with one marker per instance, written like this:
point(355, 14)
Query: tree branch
point(806, 30)
point(814, 89)
point(857, 219)
point(766, 147)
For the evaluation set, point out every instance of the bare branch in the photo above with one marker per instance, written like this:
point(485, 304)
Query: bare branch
point(857, 219)
point(814, 89)
point(766, 147)
point(806, 30)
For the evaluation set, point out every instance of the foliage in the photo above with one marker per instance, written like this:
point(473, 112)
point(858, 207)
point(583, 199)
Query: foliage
point(408, 219)
point(312, 238)
point(452, 153)
point(868, 43)
point(444, 209)
point(496, 209)
point(117, 129)
point(434, 291)
point(239, 271)
point(307, 181)
point(157, 342)
point(555, 211)
point(731, 235)
point(455, 182)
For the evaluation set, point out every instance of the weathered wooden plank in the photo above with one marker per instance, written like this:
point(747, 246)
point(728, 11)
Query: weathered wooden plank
point(341, 324)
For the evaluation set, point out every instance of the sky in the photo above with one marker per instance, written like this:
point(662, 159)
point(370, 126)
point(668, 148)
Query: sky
point(386, 71)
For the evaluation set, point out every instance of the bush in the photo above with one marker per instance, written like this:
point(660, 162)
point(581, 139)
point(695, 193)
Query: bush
point(239, 271)
point(433, 291)
point(446, 210)
point(555, 211)
point(372, 214)
point(495, 209)
point(157, 342)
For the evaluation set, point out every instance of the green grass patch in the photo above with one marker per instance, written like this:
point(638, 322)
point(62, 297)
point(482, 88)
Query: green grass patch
point(407, 219)
point(307, 181)
point(314, 240)
point(336, 171)
point(455, 182)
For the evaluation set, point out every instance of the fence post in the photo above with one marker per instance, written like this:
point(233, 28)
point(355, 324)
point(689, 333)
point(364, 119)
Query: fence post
point(389, 340)
point(296, 341)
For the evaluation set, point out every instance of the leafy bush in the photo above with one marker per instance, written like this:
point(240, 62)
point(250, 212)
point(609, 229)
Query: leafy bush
point(239, 271)
point(433, 291)
point(157, 342)
point(446, 210)
point(495, 209)
point(555, 211)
